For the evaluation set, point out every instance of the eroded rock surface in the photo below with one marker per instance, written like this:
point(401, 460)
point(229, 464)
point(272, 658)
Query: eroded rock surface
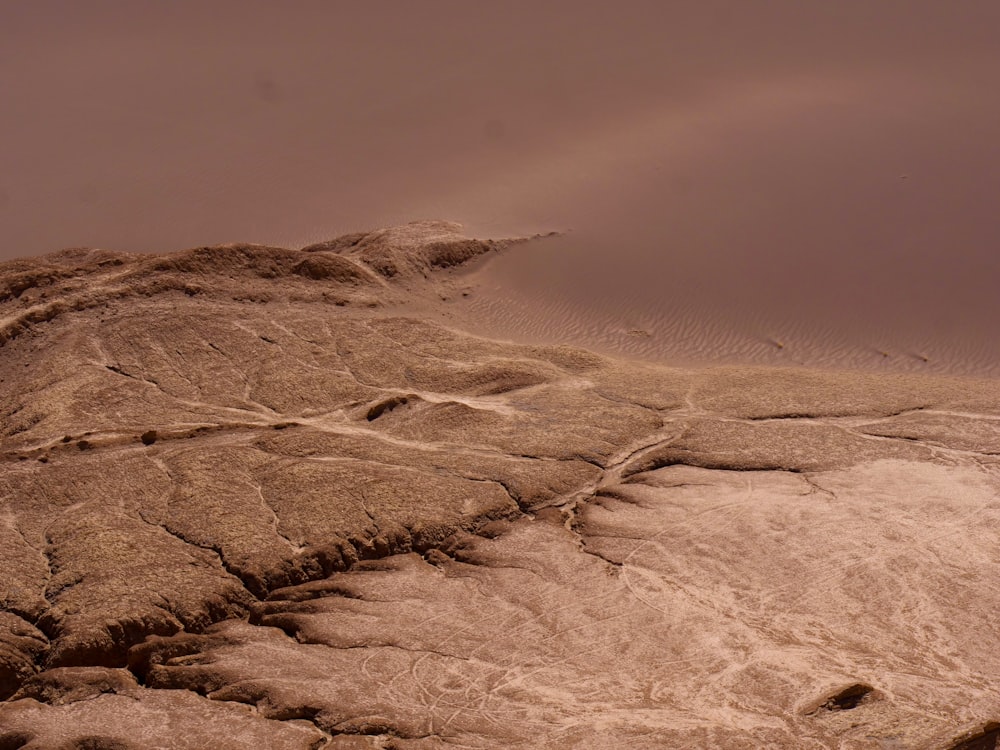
point(249, 498)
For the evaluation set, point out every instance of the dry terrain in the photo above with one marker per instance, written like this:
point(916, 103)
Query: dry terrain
point(251, 497)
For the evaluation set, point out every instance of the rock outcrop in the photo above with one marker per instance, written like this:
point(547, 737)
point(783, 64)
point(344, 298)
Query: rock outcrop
point(250, 498)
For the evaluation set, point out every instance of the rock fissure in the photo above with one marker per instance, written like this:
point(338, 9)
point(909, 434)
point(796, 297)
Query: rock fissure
point(49, 593)
point(275, 520)
point(245, 581)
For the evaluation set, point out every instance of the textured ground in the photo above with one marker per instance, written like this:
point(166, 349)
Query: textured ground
point(248, 498)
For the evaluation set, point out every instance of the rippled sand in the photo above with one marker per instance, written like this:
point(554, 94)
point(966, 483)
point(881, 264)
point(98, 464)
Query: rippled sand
point(512, 298)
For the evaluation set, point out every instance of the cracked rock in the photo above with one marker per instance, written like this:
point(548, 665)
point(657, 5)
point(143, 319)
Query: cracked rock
point(308, 517)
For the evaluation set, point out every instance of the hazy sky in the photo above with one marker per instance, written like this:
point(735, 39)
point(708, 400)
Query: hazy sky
point(155, 125)
point(813, 160)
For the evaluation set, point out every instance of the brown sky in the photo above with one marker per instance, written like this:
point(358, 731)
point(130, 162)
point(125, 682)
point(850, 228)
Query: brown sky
point(735, 152)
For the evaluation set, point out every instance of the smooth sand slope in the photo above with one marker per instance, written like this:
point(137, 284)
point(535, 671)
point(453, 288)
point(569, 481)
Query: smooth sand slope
point(251, 497)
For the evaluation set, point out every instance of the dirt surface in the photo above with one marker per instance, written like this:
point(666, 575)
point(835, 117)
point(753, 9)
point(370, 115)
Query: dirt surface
point(251, 497)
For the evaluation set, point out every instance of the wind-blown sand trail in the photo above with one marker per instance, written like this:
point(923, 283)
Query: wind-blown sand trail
point(252, 497)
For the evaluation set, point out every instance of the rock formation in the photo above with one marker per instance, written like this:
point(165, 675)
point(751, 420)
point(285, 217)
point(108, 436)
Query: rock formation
point(251, 497)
